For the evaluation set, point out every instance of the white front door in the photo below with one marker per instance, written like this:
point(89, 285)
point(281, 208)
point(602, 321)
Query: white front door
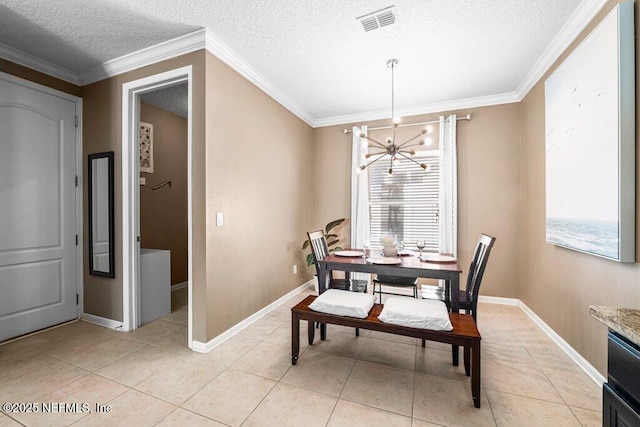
point(38, 260)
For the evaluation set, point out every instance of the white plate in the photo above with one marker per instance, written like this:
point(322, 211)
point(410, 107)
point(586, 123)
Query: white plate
point(384, 260)
point(438, 258)
point(348, 253)
point(406, 252)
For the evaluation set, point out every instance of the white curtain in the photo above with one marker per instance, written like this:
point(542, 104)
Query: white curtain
point(359, 191)
point(448, 201)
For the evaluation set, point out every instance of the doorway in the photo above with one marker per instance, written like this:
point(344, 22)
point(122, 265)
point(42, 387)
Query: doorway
point(163, 204)
point(132, 92)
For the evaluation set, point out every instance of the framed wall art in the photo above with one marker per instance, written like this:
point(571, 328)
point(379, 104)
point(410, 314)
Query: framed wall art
point(146, 147)
point(590, 143)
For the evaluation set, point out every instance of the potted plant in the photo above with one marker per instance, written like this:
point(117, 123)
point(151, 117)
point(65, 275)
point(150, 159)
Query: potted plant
point(332, 240)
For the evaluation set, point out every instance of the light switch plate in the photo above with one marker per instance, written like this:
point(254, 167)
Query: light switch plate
point(143, 181)
point(219, 219)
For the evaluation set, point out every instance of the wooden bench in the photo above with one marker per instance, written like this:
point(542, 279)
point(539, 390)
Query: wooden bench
point(465, 334)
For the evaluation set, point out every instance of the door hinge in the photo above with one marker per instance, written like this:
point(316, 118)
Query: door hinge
point(76, 121)
point(77, 180)
point(77, 299)
point(76, 240)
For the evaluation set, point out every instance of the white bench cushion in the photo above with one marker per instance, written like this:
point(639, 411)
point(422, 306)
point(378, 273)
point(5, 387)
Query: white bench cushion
point(416, 313)
point(344, 303)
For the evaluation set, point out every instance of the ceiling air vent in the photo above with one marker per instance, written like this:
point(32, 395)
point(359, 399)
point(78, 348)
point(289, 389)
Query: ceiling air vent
point(379, 18)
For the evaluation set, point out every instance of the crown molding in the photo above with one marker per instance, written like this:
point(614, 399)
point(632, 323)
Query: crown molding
point(205, 39)
point(200, 39)
point(460, 104)
point(27, 60)
point(147, 56)
point(578, 21)
point(436, 107)
point(216, 47)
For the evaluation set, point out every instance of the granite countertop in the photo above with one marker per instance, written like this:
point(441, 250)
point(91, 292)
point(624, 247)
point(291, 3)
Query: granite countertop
point(625, 321)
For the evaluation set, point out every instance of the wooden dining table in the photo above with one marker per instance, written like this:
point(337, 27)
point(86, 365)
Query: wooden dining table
point(409, 266)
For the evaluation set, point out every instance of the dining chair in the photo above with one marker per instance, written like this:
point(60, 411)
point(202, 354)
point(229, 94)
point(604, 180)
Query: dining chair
point(320, 250)
point(468, 298)
point(396, 282)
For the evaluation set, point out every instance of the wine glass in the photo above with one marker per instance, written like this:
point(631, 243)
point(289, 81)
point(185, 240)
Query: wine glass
point(367, 246)
point(420, 244)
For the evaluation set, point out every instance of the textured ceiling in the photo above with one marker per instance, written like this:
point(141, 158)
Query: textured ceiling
point(313, 51)
point(79, 35)
point(172, 99)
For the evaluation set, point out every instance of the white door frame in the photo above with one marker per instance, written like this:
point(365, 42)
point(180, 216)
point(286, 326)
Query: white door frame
point(131, 190)
point(79, 194)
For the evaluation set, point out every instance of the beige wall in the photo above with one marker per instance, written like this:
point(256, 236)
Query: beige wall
point(559, 284)
point(163, 212)
point(255, 167)
point(275, 178)
point(488, 185)
point(259, 162)
point(102, 131)
point(38, 77)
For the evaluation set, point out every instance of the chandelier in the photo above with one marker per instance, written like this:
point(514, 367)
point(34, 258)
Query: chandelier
point(391, 148)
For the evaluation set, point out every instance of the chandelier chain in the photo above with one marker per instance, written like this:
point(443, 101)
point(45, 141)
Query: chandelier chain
point(392, 149)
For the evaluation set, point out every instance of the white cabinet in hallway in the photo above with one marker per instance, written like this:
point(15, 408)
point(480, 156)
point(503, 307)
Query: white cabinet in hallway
point(155, 284)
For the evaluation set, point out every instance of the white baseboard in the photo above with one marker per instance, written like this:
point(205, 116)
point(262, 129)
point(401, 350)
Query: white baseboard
point(499, 300)
point(587, 367)
point(592, 372)
point(202, 347)
point(179, 286)
point(102, 321)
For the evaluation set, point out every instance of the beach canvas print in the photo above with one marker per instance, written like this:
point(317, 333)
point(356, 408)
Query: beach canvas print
point(590, 183)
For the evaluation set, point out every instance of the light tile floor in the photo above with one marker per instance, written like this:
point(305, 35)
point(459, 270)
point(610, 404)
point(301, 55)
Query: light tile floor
point(149, 377)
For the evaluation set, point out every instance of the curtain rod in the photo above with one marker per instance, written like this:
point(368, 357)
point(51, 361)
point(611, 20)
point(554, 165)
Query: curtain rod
point(467, 117)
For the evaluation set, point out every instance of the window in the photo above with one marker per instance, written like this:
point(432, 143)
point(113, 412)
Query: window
point(405, 204)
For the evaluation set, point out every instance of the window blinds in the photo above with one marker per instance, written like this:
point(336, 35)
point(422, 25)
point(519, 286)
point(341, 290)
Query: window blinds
point(405, 205)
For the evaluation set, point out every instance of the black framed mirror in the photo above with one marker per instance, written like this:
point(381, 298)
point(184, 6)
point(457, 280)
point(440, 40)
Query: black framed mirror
point(101, 232)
